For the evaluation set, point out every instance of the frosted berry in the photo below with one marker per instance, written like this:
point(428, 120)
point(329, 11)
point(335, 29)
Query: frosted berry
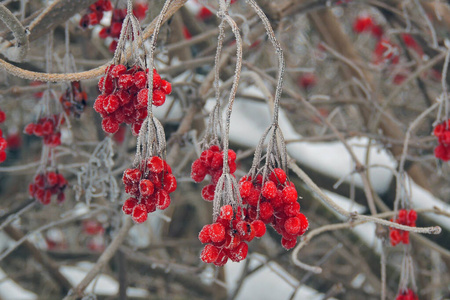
point(217, 232)
point(128, 205)
point(289, 194)
point(269, 190)
point(209, 254)
point(139, 213)
point(259, 227)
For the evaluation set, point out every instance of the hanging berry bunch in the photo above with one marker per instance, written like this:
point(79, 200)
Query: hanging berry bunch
point(407, 285)
point(3, 142)
point(95, 13)
point(74, 99)
point(442, 132)
point(48, 128)
point(150, 181)
point(407, 295)
point(407, 218)
point(47, 184)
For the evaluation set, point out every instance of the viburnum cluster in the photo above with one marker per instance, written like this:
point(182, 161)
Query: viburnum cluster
point(211, 163)
point(48, 129)
point(278, 205)
point(226, 238)
point(95, 15)
point(442, 132)
point(407, 295)
point(74, 99)
point(3, 142)
point(47, 184)
point(149, 187)
point(407, 218)
point(124, 96)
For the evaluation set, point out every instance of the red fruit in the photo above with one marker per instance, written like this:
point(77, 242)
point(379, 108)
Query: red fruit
point(104, 33)
point(269, 190)
point(206, 158)
point(52, 178)
point(131, 175)
point(204, 13)
point(2, 156)
point(142, 98)
point(84, 21)
point(208, 192)
point(226, 212)
point(47, 197)
point(106, 5)
point(259, 228)
point(292, 225)
point(265, 210)
point(291, 210)
point(150, 204)
point(111, 103)
point(402, 216)
point(217, 232)
point(140, 80)
point(155, 164)
point(288, 244)
point(245, 188)
point(304, 224)
point(405, 237)
point(118, 70)
point(146, 188)
point(170, 183)
point(198, 171)
point(217, 161)
point(412, 216)
point(139, 213)
point(363, 24)
point(278, 176)
point(99, 104)
point(221, 259)
point(128, 205)
point(166, 87)
point(205, 234)
point(209, 254)
point(38, 130)
point(239, 253)
point(2, 116)
point(158, 98)
point(162, 199)
point(289, 194)
point(156, 80)
point(125, 81)
point(307, 81)
point(110, 125)
point(3, 144)
point(394, 237)
point(232, 240)
point(29, 129)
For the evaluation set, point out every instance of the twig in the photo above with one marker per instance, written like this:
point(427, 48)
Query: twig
point(19, 52)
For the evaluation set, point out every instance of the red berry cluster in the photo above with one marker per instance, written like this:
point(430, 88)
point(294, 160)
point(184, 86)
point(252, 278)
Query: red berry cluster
point(95, 13)
point(278, 205)
point(442, 132)
point(227, 237)
point(74, 99)
point(211, 163)
point(404, 218)
point(407, 295)
point(3, 142)
point(149, 190)
point(367, 24)
point(124, 97)
point(47, 128)
point(46, 185)
point(118, 16)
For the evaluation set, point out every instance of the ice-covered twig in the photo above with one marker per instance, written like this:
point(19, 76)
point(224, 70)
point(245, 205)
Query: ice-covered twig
point(19, 52)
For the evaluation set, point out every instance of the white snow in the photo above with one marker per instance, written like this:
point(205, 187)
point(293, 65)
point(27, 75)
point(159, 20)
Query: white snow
point(10, 290)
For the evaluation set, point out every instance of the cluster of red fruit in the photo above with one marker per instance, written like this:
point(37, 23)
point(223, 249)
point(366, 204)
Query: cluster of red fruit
point(47, 128)
point(124, 97)
point(227, 237)
point(74, 99)
point(407, 218)
point(149, 189)
point(407, 295)
point(278, 205)
point(46, 185)
point(211, 163)
point(3, 142)
point(442, 132)
point(95, 13)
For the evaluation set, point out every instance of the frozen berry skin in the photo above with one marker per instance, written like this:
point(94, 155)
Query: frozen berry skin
point(139, 213)
point(288, 244)
point(158, 98)
point(205, 234)
point(162, 199)
point(110, 125)
point(209, 254)
point(226, 212)
point(245, 189)
point(198, 171)
point(131, 175)
point(128, 205)
point(269, 191)
point(289, 194)
point(259, 227)
point(239, 253)
point(142, 98)
point(118, 70)
point(217, 232)
point(170, 183)
point(111, 103)
point(292, 225)
point(146, 188)
point(278, 176)
point(208, 192)
point(291, 210)
point(2, 156)
point(265, 210)
point(155, 164)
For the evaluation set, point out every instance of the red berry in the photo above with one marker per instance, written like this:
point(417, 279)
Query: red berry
point(52, 178)
point(291, 210)
point(131, 175)
point(2, 116)
point(289, 194)
point(292, 225)
point(158, 98)
point(239, 253)
point(162, 199)
point(205, 234)
point(142, 98)
point(304, 224)
point(288, 244)
point(259, 227)
point(198, 171)
point(29, 129)
point(139, 213)
point(221, 259)
point(166, 87)
point(3, 144)
point(269, 191)
point(209, 254)
point(278, 176)
point(2, 156)
point(125, 81)
point(245, 188)
point(226, 212)
point(265, 210)
point(217, 232)
point(155, 164)
point(140, 80)
point(118, 70)
point(128, 205)
point(156, 80)
point(146, 187)
point(111, 103)
point(412, 216)
point(170, 183)
point(208, 192)
point(110, 125)
point(395, 237)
